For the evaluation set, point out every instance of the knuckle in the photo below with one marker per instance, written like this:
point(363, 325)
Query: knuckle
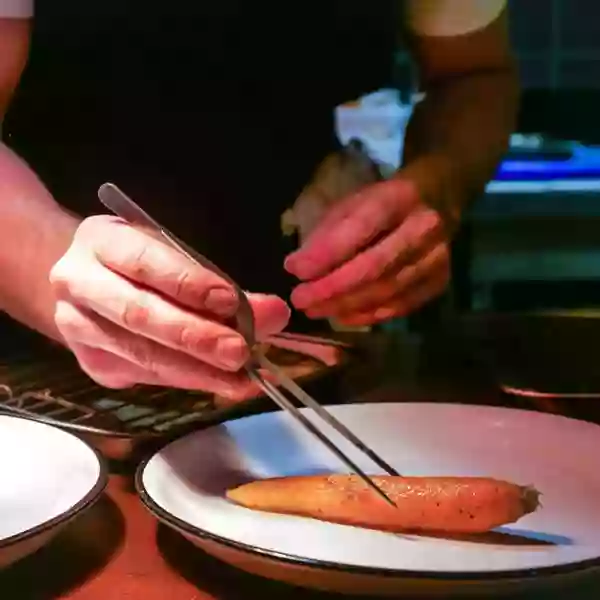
point(68, 320)
point(135, 261)
point(58, 276)
point(184, 285)
point(89, 227)
point(386, 289)
point(122, 249)
point(116, 244)
point(419, 271)
point(94, 221)
point(404, 277)
point(61, 272)
point(69, 268)
point(187, 338)
point(135, 313)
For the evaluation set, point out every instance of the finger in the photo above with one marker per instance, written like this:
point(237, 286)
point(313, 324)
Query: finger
point(151, 263)
point(328, 354)
point(110, 370)
point(403, 305)
point(151, 316)
point(405, 245)
point(160, 365)
point(384, 289)
point(271, 314)
point(248, 394)
point(348, 227)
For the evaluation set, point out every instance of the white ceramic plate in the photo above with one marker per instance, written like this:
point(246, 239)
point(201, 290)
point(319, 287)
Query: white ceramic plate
point(184, 486)
point(47, 477)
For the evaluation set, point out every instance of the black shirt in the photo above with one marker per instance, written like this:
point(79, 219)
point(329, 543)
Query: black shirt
point(212, 115)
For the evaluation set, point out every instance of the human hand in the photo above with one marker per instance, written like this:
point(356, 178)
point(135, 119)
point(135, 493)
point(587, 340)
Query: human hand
point(135, 311)
point(378, 254)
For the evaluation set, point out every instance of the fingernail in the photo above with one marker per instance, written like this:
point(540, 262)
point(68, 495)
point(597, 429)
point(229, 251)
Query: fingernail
point(278, 319)
point(300, 298)
point(297, 265)
point(221, 301)
point(232, 352)
point(289, 264)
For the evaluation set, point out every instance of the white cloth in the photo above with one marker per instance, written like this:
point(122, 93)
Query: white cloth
point(451, 17)
point(16, 9)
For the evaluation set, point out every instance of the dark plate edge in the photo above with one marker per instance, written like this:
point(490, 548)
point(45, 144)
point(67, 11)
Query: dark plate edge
point(291, 559)
point(87, 501)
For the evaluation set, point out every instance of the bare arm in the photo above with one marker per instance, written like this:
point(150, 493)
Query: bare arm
point(459, 132)
point(34, 230)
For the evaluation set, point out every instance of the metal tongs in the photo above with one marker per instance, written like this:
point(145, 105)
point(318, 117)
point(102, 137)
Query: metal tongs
point(122, 206)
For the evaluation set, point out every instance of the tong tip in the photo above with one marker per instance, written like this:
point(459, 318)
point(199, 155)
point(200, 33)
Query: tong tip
point(377, 489)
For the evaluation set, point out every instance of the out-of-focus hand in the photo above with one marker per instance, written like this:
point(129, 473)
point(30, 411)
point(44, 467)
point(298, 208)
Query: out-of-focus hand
point(135, 311)
point(378, 254)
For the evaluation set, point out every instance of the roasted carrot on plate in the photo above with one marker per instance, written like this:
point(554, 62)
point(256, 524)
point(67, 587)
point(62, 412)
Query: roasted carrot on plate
point(423, 504)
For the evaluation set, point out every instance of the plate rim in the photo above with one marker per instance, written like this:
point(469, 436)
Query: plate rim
point(301, 561)
point(88, 500)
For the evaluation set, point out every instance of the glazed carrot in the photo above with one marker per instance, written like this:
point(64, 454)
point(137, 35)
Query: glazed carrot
point(434, 504)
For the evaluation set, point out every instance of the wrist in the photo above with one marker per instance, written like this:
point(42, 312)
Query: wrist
point(440, 186)
point(57, 238)
point(30, 298)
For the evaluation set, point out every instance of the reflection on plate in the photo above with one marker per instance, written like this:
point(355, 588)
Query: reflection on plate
point(48, 476)
point(184, 486)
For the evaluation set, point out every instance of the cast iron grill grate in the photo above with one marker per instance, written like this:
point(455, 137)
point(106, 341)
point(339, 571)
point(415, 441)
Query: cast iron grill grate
point(50, 386)
point(57, 391)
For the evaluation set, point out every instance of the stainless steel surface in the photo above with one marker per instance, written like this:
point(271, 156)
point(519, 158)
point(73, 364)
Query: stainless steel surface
point(123, 206)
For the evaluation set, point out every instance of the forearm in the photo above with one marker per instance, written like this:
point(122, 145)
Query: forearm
point(459, 133)
point(34, 233)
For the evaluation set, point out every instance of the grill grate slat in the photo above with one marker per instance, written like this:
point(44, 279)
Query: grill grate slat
point(51, 386)
point(59, 391)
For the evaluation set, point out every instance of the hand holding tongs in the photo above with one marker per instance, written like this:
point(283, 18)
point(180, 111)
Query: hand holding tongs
point(117, 202)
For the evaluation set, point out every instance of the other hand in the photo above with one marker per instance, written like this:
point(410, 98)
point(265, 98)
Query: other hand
point(378, 254)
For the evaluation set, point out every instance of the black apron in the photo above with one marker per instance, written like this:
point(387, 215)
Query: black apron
point(212, 115)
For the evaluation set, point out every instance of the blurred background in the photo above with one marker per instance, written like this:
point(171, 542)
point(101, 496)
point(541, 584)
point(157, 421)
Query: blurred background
point(533, 242)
